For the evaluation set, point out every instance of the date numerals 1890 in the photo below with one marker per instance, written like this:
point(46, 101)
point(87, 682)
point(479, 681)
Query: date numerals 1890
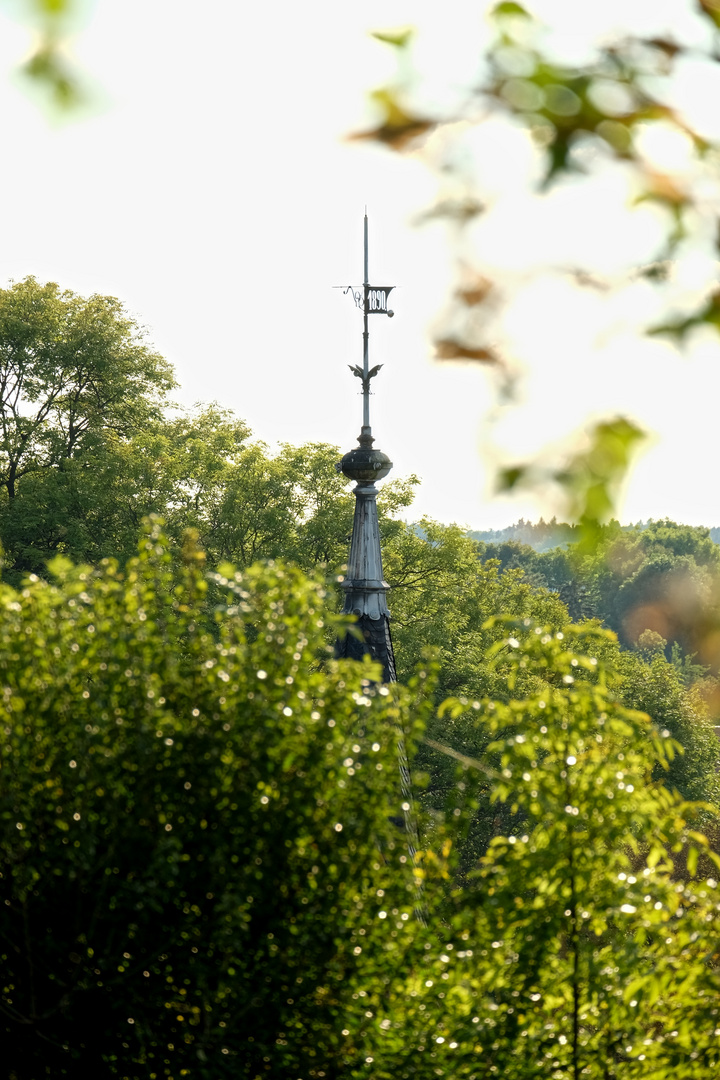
point(377, 300)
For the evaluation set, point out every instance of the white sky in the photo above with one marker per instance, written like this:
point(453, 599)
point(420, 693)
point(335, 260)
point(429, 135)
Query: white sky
point(211, 191)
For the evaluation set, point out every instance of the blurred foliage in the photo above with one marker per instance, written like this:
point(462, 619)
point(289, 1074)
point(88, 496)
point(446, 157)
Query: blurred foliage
point(590, 479)
point(603, 103)
point(582, 119)
point(49, 69)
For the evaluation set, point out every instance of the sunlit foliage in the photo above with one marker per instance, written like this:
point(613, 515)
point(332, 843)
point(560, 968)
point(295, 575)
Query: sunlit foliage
point(195, 826)
point(572, 950)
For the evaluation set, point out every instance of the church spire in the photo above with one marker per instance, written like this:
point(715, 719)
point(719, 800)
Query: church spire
point(365, 588)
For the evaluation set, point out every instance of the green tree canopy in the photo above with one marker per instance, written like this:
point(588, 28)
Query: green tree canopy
point(90, 444)
point(76, 378)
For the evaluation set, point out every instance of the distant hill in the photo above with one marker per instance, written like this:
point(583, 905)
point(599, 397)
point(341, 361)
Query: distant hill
point(541, 535)
point(545, 535)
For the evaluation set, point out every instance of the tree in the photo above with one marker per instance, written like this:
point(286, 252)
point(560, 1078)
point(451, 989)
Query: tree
point(656, 688)
point(76, 380)
point(91, 446)
point(574, 912)
point(443, 595)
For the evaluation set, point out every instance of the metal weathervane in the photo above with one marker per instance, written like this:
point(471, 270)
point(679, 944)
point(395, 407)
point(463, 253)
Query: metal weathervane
point(371, 300)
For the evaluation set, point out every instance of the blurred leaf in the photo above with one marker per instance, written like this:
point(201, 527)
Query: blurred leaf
point(692, 861)
point(399, 38)
point(508, 479)
point(452, 349)
point(616, 135)
point(474, 291)
point(463, 210)
point(664, 189)
point(48, 70)
point(398, 127)
point(711, 8)
point(666, 45)
point(657, 271)
point(558, 152)
point(678, 328)
point(509, 7)
point(590, 479)
point(54, 7)
point(468, 762)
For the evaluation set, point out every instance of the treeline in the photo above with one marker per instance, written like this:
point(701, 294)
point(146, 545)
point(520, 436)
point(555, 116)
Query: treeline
point(540, 535)
point(543, 535)
point(655, 584)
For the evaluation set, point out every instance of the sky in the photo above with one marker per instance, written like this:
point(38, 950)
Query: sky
point(210, 185)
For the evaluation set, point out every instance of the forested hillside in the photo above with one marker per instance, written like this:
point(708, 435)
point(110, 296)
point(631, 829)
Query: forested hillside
point(540, 536)
point(655, 584)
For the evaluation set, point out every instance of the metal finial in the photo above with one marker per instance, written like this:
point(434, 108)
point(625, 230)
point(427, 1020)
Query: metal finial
point(372, 300)
point(364, 464)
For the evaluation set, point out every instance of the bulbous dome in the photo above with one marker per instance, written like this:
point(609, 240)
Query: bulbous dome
point(365, 464)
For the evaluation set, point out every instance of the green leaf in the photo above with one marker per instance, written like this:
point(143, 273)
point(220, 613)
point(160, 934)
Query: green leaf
point(400, 38)
point(692, 860)
point(509, 8)
point(510, 478)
